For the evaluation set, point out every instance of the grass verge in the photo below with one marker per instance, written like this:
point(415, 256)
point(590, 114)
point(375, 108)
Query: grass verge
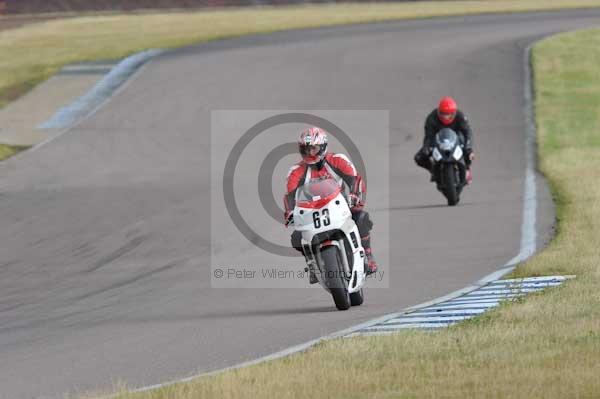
point(545, 346)
point(7, 151)
point(33, 53)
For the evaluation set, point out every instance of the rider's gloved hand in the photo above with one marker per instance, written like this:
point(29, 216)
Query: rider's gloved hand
point(354, 201)
point(289, 218)
point(469, 156)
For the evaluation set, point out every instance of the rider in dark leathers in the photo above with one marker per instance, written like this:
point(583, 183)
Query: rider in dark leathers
point(446, 115)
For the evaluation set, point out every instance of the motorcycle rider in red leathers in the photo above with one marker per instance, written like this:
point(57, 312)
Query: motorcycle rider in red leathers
point(317, 162)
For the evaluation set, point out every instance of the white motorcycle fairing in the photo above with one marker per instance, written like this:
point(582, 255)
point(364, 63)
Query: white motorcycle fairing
point(332, 225)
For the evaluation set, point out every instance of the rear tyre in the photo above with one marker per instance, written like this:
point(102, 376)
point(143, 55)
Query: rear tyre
point(357, 298)
point(449, 178)
point(333, 273)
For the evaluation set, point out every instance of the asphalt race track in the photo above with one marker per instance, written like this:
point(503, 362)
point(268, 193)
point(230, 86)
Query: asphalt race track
point(105, 271)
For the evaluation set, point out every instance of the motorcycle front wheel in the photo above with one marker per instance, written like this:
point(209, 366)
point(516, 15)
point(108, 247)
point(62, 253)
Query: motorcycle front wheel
point(449, 181)
point(335, 280)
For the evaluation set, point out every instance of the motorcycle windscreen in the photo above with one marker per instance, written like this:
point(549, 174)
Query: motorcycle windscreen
point(446, 139)
point(317, 192)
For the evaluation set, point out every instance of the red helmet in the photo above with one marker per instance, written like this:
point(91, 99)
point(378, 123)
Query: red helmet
point(312, 144)
point(447, 110)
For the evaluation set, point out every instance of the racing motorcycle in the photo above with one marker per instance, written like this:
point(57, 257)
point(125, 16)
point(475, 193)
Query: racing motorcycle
point(449, 169)
point(330, 240)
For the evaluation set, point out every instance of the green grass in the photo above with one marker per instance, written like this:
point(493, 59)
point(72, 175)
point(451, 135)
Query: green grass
point(546, 345)
point(33, 53)
point(7, 151)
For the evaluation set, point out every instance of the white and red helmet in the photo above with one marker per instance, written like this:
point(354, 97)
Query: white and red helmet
point(312, 144)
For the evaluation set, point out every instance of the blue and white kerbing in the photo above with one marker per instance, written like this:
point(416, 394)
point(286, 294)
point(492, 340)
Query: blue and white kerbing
point(463, 307)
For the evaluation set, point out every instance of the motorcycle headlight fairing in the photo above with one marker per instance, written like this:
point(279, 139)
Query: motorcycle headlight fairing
point(458, 153)
point(436, 154)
